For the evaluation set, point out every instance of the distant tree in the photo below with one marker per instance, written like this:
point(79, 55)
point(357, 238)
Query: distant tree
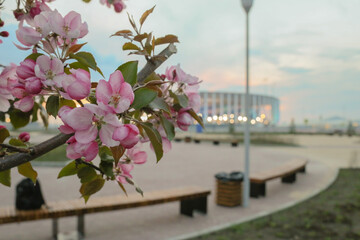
point(350, 129)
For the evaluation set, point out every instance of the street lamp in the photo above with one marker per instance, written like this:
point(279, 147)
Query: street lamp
point(247, 4)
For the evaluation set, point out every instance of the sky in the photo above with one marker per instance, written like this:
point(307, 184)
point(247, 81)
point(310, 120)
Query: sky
point(306, 53)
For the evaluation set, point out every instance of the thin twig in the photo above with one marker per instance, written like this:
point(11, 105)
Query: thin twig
point(80, 161)
point(81, 104)
point(15, 149)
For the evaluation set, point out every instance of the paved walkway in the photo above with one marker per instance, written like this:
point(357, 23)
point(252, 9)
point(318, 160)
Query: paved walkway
point(190, 164)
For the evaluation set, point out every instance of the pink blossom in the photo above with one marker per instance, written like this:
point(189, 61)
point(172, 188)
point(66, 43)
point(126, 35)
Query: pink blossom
point(107, 121)
point(77, 85)
point(49, 70)
point(122, 171)
point(77, 150)
point(127, 134)
point(6, 77)
point(24, 136)
point(194, 101)
point(33, 85)
point(135, 155)
point(26, 69)
point(27, 35)
point(184, 119)
point(118, 5)
point(84, 122)
point(25, 104)
point(70, 26)
point(116, 95)
point(175, 73)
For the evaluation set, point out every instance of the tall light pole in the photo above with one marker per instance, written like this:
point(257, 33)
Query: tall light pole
point(247, 4)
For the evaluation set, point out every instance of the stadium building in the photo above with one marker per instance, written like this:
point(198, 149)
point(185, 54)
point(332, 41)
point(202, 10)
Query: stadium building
point(229, 108)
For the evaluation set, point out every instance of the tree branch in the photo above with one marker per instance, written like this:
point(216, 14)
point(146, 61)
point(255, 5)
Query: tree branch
point(151, 66)
point(17, 159)
point(10, 161)
point(15, 149)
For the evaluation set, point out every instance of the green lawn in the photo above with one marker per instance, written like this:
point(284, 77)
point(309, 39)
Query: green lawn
point(56, 155)
point(332, 215)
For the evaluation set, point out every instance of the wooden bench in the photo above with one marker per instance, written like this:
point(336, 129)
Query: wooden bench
point(191, 199)
point(287, 173)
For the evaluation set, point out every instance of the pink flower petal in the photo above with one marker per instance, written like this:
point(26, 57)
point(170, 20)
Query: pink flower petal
point(79, 119)
point(87, 135)
point(116, 80)
point(103, 92)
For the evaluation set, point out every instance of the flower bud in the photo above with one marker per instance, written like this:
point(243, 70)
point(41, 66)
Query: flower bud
point(18, 14)
point(2, 23)
point(2, 126)
point(35, 11)
point(4, 34)
point(24, 136)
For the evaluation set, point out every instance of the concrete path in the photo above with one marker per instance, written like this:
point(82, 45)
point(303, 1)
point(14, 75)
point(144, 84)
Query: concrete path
point(190, 164)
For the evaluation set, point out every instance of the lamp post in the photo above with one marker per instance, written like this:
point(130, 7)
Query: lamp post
point(247, 4)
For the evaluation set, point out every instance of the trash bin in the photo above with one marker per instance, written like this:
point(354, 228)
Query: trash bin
point(229, 189)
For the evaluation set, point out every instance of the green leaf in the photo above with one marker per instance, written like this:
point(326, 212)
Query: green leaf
point(44, 116)
point(107, 168)
point(130, 46)
point(35, 112)
point(129, 71)
point(87, 1)
point(143, 97)
point(99, 71)
point(159, 103)
point(17, 142)
point(169, 128)
point(5, 178)
point(85, 58)
point(34, 56)
point(86, 174)
point(196, 117)
point(52, 105)
point(4, 133)
point(155, 139)
point(77, 65)
point(70, 169)
point(182, 100)
point(89, 188)
point(27, 171)
point(19, 119)
point(66, 102)
point(145, 15)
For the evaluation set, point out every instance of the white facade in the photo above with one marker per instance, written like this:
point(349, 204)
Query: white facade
point(222, 107)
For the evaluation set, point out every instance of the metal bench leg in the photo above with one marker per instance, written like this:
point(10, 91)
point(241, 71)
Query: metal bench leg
point(81, 226)
point(234, 144)
point(201, 204)
point(54, 228)
point(187, 207)
point(257, 189)
point(289, 179)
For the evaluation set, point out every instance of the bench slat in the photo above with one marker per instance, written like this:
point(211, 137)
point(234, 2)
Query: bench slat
point(281, 171)
point(100, 204)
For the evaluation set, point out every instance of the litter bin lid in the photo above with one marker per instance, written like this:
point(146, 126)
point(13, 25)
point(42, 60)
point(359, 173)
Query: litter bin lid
point(236, 176)
point(222, 176)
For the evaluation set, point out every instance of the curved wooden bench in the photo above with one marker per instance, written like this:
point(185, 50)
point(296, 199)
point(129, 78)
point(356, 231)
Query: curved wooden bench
point(191, 199)
point(287, 173)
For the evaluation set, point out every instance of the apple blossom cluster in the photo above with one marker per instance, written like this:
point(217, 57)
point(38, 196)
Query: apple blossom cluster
point(110, 118)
